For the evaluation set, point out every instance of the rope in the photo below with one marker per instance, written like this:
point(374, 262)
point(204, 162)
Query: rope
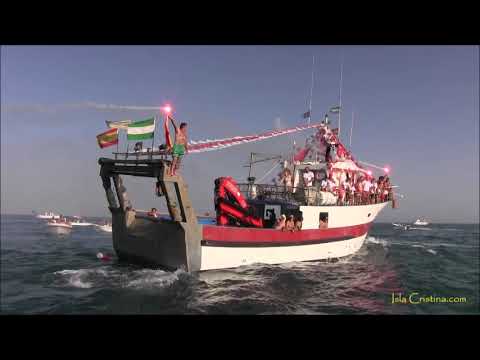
point(268, 172)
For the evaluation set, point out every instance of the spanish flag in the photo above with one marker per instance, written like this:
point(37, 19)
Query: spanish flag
point(108, 138)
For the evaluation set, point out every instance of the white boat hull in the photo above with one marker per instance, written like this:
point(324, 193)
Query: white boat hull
point(105, 228)
point(420, 223)
point(346, 233)
point(82, 224)
point(48, 217)
point(230, 257)
point(59, 228)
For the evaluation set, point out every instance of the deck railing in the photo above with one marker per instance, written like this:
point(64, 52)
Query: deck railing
point(300, 195)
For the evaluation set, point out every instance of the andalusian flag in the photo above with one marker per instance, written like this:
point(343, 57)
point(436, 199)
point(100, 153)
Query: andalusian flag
point(141, 130)
point(122, 124)
point(335, 110)
point(108, 138)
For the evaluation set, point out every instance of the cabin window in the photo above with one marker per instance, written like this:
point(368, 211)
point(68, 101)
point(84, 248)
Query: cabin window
point(323, 220)
point(271, 214)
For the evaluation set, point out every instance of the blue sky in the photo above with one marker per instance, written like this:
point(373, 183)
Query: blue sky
point(416, 109)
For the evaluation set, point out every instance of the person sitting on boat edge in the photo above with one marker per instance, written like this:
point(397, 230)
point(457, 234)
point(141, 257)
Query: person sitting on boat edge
point(280, 224)
point(290, 224)
point(298, 223)
point(323, 221)
point(180, 147)
point(153, 213)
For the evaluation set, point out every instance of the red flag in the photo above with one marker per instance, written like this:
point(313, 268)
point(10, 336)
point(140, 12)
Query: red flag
point(108, 138)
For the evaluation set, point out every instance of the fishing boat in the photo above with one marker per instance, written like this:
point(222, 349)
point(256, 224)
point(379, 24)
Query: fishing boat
point(78, 221)
point(245, 212)
point(421, 222)
point(47, 215)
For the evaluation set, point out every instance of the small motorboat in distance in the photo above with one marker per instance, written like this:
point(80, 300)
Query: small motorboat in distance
point(106, 227)
point(61, 223)
point(47, 215)
point(421, 222)
point(78, 221)
point(401, 226)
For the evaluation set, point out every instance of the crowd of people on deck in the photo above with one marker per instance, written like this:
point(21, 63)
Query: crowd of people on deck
point(347, 187)
point(350, 185)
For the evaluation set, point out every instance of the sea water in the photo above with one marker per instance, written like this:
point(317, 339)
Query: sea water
point(46, 272)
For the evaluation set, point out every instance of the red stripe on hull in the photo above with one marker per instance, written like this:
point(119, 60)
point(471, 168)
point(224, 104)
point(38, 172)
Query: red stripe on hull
point(228, 234)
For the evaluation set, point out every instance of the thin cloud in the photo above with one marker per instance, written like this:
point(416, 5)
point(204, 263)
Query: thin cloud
point(78, 106)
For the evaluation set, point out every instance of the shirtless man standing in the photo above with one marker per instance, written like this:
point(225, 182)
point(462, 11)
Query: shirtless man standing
point(180, 148)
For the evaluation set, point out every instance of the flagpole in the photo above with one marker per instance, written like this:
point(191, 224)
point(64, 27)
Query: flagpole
point(118, 140)
point(311, 93)
point(340, 110)
point(154, 128)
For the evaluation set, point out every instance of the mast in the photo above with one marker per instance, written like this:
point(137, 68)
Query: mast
point(340, 102)
point(250, 166)
point(311, 93)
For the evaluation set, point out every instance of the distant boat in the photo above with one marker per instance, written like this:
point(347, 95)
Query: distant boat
point(59, 224)
point(79, 222)
point(401, 226)
point(106, 227)
point(48, 215)
point(421, 222)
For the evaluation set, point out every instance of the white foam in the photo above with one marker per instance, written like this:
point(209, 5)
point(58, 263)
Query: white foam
point(372, 240)
point(75, 278)
point(76, 281)
point(153, 278)
point(432, 251)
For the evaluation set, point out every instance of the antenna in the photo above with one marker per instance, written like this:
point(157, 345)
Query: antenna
point(311, 93)
point(351, 130)
point(340, 104)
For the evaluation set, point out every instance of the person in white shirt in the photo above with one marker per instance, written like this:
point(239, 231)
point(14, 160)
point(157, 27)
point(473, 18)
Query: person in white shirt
point(331, 185)
point(352, 192)
point(373, 191)
point(324, 185)
point(308, 177)
point(366, 190)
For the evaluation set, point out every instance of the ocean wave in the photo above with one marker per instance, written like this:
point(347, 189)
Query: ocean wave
point(76, 278)
point(432, 251)
point(101, 277)
point(373, 240)
point(153, 278)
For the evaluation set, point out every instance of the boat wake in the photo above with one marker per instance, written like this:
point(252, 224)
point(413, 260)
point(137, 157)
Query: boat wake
point(373, 240)
point(76, 278)
point(153, 278)
point(108, 277)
